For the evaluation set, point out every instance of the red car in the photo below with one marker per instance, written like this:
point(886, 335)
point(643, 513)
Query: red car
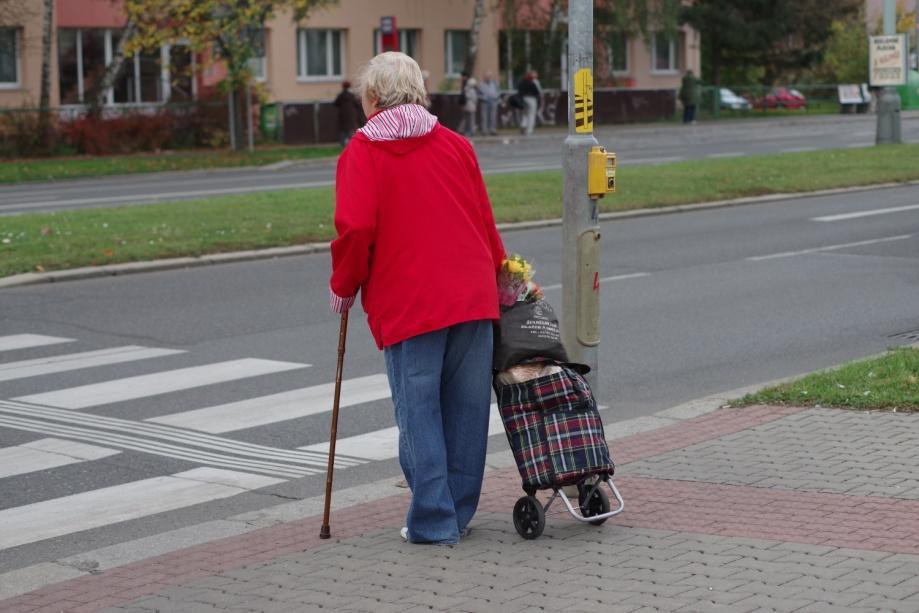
point(782, 98)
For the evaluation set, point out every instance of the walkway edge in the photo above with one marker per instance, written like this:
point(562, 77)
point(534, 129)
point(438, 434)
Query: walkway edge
point(93, 272)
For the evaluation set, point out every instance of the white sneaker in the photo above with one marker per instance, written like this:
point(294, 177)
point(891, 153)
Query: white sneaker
point(404, 533)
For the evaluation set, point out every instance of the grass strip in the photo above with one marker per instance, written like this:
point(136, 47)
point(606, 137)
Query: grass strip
point(19, 171)
point(887, 382)
point(87, 237)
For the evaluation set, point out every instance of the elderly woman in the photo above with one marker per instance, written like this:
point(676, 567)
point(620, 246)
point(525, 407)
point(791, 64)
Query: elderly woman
point(417, 237)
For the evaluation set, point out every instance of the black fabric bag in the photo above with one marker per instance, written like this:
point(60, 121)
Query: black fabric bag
point(515, 101)
point(527, 330)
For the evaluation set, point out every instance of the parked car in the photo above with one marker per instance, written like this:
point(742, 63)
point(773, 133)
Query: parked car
point(730, 100)
point(781, 98)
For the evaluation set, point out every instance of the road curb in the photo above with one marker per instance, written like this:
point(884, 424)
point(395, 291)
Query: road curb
point(93, 272)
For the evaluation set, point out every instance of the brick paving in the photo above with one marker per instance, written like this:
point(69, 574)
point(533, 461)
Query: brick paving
point(754, 509)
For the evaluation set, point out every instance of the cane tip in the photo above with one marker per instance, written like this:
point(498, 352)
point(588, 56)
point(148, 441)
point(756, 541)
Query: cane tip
point(325, 532)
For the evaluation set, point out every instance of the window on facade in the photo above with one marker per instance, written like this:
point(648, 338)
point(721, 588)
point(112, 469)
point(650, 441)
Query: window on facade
point(181, 74)
point(664, 52)
point(258, 65)
point(456, 47)
point(68, 51)
point(618, 46)
point(84, 54)
point(319, 53)
point(92, 45)
point(524, 50)
point(408, 42)
point(9, 57)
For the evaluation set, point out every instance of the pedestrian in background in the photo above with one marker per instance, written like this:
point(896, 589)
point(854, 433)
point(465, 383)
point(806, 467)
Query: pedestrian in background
point(690, 95)
point(417, 237)
point(529, 91)
point(470, 106)
point(488, 103)
point(350, 113)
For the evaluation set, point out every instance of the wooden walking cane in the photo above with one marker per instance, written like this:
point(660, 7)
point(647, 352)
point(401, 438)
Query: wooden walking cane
point(324, 532)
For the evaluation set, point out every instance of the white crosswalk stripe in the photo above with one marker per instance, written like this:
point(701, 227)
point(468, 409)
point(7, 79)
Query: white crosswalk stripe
point(278, 407)
point(132, 388)
point(47, 453)
point(66, 515)
point(76, 361)
point(384, 444)
point(27, 341)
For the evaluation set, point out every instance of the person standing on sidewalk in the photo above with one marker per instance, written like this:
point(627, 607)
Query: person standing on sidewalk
point(470, 105)
point(488, 103)
point(417, 237)
point(529, 92)
point(690, 94)
point(349, 113)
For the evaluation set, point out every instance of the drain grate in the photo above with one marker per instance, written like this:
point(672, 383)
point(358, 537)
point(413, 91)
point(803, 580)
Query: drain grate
point(910, 335)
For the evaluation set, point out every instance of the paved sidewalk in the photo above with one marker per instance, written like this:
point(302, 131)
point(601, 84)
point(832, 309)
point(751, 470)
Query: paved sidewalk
point(752, 509)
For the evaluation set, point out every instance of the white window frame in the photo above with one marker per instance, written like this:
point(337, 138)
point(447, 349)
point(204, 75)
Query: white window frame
point(17, 43)
point(302, 76)
point(132, 63)
point(403, 40)
point(674, 68)
point(448, 52)
point(628, 56)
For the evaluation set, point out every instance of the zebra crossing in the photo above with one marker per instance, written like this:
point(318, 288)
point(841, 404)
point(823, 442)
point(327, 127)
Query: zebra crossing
point(71, 431)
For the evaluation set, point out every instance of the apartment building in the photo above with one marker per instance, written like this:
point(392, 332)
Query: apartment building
point(309, 60)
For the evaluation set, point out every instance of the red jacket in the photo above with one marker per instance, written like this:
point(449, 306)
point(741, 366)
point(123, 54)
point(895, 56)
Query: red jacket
point(416, 234)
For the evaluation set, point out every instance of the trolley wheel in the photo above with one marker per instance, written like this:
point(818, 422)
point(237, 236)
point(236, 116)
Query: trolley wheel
point(596, 504)
point(529, 517)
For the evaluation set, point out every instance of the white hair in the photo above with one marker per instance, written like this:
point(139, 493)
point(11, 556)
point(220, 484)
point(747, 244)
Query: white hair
point(391, 79)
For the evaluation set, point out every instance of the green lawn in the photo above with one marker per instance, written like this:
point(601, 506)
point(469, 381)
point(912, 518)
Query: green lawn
point(18, 171)
point(887, 382)
point(70, 239)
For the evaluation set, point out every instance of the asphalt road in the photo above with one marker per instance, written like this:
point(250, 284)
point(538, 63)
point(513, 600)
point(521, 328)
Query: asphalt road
point(642, 144)
point(187, 365)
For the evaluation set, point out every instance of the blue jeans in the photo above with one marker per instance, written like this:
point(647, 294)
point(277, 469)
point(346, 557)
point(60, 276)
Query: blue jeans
point(441, 388)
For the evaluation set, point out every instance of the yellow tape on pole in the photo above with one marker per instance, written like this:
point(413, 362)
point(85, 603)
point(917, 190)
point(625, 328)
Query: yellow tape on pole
point(584, 101)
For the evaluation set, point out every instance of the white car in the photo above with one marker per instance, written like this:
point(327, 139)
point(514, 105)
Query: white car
point(730, 100)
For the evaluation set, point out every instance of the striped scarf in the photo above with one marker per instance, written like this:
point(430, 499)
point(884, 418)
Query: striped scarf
point(398, 122)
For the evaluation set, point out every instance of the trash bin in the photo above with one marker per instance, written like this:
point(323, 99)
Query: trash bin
point(270, 122)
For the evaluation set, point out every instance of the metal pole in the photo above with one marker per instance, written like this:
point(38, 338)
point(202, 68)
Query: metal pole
point(232, 112)
point(888, 124)
point(251, 137)
point(580, 221)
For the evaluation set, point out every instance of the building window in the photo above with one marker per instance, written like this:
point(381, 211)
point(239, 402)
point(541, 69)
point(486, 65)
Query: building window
point(156, 76)
point(258, 65)
point(618, 48)
point(9, 58)
point(456, 47)
point(408, 42)
point(319, 54)
point(664, 53)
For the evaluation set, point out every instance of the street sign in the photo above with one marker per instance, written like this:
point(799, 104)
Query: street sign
point(389, 34)
point(887, 60)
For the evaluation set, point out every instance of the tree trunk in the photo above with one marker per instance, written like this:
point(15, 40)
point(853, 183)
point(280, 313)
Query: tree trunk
point(97, 96)
point(477, 17)
point(44, 102)
point(552, 39)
